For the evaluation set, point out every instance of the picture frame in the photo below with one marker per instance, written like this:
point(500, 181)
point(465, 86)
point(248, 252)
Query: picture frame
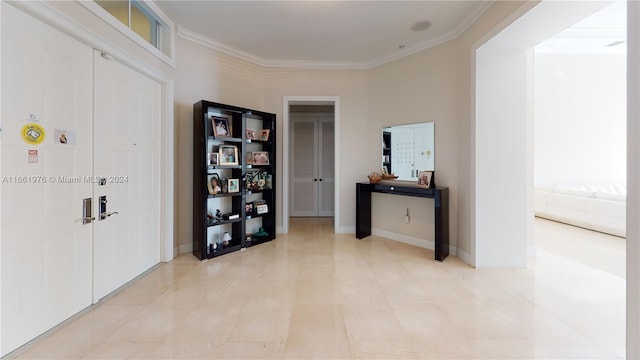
point(233, 185)
point(425, 178)
point(249, 159)
point(213, 159)
point(260, 207)
point(250, 134)
point(248, 209)
point(228, 155)
point(260, 158)
point(221, 126)
point(214, 185)
point(264, 134)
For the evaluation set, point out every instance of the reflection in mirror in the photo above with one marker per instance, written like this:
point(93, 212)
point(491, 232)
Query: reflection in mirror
point(408, 149)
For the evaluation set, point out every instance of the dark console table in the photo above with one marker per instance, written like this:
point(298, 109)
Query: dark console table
point(440, 195)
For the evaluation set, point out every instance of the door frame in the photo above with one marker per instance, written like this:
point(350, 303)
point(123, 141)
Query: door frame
point(49, 15)
point(286, 136)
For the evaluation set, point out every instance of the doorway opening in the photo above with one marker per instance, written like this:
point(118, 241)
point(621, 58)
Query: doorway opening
point(503, 136)
point(311, 167)
point(504, 92)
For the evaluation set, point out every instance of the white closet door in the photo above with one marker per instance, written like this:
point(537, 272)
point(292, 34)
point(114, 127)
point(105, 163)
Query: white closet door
point(46, 249)
point(312, 165)
point(304, 169)
point(127, 153)
point(326, 165)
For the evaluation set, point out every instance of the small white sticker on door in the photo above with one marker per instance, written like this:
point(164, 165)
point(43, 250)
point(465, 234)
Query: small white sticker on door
point(33, 156)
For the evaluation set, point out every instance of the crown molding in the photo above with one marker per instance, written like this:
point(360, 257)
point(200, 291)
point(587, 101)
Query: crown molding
point(266, 63)
point(454, 34)
point(330, 65)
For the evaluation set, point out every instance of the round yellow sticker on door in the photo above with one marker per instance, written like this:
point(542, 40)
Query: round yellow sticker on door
point(33, 134)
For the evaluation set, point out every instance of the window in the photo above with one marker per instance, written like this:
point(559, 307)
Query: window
point(143, 21)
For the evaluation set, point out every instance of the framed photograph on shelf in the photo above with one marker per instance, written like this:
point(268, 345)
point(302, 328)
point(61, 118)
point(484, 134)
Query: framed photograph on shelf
point(214, 185)
point(221, 126)
point(233, 185)
point(213, 159)
point(250, 134)
point(264, 134)
point(260, 158)
point(228, 155)
point(260, 207)
point(424, 178)
point(248, 209)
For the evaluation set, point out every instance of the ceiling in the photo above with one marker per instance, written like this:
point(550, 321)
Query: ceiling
point(357, 34)
point(604, 32)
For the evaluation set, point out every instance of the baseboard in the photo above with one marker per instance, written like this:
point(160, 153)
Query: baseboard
point(346, 230)
point(466, 257)
point(425, 244)
point(183, 249)
point(279, 230)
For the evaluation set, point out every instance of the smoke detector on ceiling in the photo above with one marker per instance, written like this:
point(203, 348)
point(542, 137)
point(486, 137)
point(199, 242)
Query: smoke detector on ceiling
point(421, 25)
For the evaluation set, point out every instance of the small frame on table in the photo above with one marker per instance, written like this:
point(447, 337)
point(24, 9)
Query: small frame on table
point(228, 155)
point(425, 178)
point(260, 158)
point(221, 126)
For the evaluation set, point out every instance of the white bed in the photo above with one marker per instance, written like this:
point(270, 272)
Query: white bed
point(600, 207)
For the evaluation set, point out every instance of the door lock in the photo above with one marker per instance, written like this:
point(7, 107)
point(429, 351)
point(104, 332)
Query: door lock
point(103, 208)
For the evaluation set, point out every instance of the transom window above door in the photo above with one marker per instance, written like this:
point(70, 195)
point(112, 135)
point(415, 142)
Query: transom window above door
point(141, 21)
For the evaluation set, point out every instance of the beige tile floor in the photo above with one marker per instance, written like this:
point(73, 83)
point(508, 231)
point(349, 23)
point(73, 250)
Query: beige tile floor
point(315, 294)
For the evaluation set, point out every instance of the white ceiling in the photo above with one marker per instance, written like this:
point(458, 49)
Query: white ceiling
point(603, 32)
point(330, 33)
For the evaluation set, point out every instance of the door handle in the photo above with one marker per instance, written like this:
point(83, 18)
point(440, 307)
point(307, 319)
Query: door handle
point(87, 216)
point(103, 208)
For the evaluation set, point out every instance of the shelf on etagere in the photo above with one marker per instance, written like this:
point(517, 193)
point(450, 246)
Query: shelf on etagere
point(210, 168)
point(225, 139)
point(222, 222)
point(212, 196)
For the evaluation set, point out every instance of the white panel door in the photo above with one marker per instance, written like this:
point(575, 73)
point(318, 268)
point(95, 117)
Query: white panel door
point(127, 149)
point(45, 250)
point(304, 167)
point(312, 165)
point(326, 165)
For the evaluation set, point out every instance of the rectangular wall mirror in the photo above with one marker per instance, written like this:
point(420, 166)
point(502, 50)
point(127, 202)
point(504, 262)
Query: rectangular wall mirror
point(408, 149)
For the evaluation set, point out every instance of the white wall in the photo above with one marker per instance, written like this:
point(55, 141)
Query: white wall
point(580, 118)
point(203, 73)
point(420, 88)
point(633, 185)
point(501, 175)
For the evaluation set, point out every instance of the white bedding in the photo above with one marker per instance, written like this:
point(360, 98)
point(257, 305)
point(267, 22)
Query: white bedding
point(600, 207)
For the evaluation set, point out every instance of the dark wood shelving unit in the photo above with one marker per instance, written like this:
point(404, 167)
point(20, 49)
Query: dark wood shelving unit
point(207, 234)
